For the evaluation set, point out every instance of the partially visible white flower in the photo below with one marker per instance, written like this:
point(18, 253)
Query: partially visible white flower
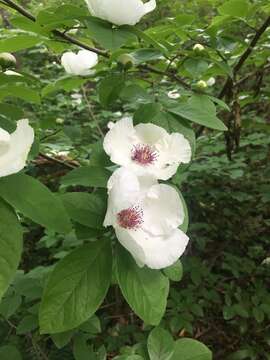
point(76, 98)
point(59, 121)
point(174, 94)
point(146, 149)
point(12, 73)
point(110, 124)
point(15, 147)
point(211, 81)
point(146, 216)
point(198, 47)
point(120, 12)
point(79, 64)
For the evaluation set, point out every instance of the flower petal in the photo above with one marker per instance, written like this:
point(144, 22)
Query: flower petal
point(163, 210)
point(120, 12)
point(118, 142)
point(132, 240)
point(20, 144)
point(124, 192)
point(156, 252)
point(162, 252)
point(149, 6)
point(150, 134)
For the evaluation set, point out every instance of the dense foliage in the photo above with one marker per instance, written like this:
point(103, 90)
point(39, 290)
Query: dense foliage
point(69, 290)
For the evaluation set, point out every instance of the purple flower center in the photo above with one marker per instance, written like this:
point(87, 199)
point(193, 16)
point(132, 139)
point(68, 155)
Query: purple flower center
point(144, 154)
point(130, 218)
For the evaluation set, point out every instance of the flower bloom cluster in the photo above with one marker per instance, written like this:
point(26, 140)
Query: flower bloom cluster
point(15, 147)
point(145, 214)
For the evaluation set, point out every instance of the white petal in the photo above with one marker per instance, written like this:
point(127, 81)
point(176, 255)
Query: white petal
point(79, 64)
point(4, 141)
point(124, 192)
point(179, 149)
point(20, 144)
point(163, 210)
point(118, 142)
point(150, 6)
point(150, 134)
point(132, 240)
point(162, 252)
point(120, 12)
point(172, 152)
point(156, 252)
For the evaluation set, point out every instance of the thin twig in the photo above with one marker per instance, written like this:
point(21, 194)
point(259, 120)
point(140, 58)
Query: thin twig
point(89, 107)
point(57, 161)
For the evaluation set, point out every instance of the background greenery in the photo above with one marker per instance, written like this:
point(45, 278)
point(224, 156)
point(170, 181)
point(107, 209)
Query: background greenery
point(223, 299)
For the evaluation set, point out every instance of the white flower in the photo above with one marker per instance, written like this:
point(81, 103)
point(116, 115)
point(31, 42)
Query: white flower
point(76, 99)
point(198, 47)
point(211, 81)
point(120, 12)
point(174, 94)
point(15, 147)
point(79, 64)
point(146, 216)
point(146, 149)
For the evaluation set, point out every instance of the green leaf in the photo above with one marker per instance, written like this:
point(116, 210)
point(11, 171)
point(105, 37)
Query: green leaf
point(92, 176)
point(51, 18)
point(81, 350)
point(201, 110)
point(143, 55)
point(66, 84)
point(110, 88)
point(195, 67)
point(146, 113)
point(19, 42)
point(10, 245)
point(175, 271)
point(10, 111)
point(189, 349)
point(27, 324)
point(160, 344)
point(20, 91)
point(237, 8)
point(86, 209)
point(36, 201)
point(107, 35)
point(62, 339)
point(9, 352)
point(144, 289)
point(76, 287)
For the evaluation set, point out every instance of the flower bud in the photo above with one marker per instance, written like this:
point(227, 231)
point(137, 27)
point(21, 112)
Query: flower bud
point(59, 121)
point(7, 60)
point(198, 48)
point(201, 84)
point(211, 81)
point(126, 60)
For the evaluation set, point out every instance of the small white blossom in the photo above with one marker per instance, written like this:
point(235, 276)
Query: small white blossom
point(211, 81)
point(146, 216)
point(79, 64)
point(198, 47)
point(146, 149)
point(174, 94)
point(15, 147)
point(120, 12)
point(76, 99)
